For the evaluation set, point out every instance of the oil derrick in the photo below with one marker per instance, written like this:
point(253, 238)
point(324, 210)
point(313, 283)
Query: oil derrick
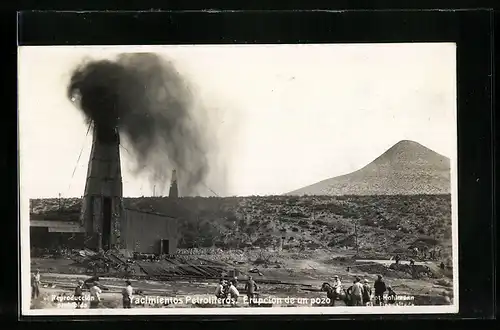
point(174, 190)
point(102, 201)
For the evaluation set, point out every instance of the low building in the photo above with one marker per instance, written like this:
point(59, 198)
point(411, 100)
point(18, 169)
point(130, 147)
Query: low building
point(56, 233)
point(140, 231)
point(148, 232)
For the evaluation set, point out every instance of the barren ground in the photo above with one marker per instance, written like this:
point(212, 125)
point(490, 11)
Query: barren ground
point(313, 268)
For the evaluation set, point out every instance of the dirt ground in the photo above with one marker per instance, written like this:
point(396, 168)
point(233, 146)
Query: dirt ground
point(59, 277)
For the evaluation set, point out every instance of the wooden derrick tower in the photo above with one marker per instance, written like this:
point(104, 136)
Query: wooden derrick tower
point(174, 189)
point(102, 202)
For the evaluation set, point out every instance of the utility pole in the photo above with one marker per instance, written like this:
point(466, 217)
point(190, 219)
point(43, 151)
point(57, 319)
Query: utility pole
point(154, 191)
point(356, 236)
point(59, 202)
point(237, 224)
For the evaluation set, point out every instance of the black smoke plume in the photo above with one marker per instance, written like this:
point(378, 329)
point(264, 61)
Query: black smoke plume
point(144, 97)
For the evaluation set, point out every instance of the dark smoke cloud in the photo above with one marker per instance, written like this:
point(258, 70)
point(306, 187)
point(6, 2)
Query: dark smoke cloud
point(152, 106)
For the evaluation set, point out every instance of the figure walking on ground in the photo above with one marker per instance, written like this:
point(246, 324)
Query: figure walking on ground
point(357, 293)
point(95, 295)
point(79, 294)
point(250, 288)
point(127, 295)
point(35, 284)
point(380, 289)
point(367, 293)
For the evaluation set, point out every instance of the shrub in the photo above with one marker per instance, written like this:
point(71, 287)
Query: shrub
point(313, 245)
point(303, 223)
point(320, 223)
point(263, 241)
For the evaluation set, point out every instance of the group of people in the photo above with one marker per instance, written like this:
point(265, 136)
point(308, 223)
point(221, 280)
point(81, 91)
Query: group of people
point(90, 285)
point(93, 286)
point(228, 289)
point(361, 293)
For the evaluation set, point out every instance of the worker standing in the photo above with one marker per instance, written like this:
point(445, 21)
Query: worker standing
point(337, 284)
point(380, 289)
point(250, 288)
point(79, 294)
point(357, 293)
point(348, 299)
point(127, 295)
point(95, 295)
point(35, 284)
point(367, 293)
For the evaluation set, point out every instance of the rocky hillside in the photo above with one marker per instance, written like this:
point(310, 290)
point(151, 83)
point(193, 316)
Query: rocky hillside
point(384, 224)
point(408, 168)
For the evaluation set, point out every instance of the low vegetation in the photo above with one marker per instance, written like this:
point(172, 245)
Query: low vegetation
point(378, 225)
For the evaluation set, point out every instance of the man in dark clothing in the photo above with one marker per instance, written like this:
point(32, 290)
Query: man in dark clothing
point(250, 288)
point(380, 289)
point(79, 294)
point(349, 300)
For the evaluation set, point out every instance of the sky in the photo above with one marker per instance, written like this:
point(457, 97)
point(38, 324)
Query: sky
point(285, 116)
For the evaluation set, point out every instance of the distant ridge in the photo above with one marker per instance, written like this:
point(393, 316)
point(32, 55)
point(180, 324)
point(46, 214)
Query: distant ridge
point(407, 168)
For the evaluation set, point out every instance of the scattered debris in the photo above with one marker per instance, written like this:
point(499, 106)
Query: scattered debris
point(444, 282)
point(255, 271)
point(238, 262)
point(416, 271)
point(102, 262)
